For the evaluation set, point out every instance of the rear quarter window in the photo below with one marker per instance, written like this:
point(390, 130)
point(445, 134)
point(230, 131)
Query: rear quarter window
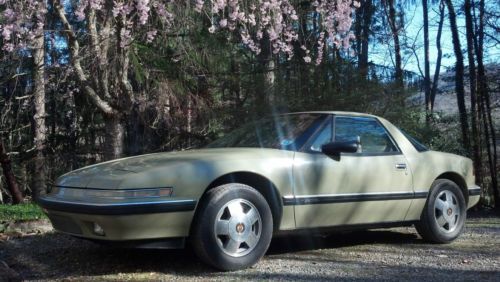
point(418, 146)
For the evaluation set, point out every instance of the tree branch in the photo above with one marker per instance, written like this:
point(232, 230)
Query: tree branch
point(103, 105)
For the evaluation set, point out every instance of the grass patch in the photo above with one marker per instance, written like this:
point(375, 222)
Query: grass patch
point(20, 212)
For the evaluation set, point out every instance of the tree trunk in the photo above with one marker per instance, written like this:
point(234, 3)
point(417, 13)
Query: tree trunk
point(98, 92)
point(269, 79)
point(267, 76)
point(427, 82)
point(484, 98)
point(114, 138)
point(40, 127)
point(10, 179)
point(189, 121)
point(435, 80)
point(267, 64)
point(367, 23)
point(459, 76)
point(397, 46)
point(476, 138)
point(71, 126)
point(358, 25)
point(362, 32)
point(489, 136)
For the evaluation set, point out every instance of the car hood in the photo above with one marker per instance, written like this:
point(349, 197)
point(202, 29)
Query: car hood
point(112, 173)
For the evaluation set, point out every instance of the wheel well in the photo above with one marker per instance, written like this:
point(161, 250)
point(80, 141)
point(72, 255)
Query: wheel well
point(259, 183)
point(459, 180)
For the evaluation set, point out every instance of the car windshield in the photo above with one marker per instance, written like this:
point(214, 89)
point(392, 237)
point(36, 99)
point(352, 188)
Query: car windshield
point(287, 132)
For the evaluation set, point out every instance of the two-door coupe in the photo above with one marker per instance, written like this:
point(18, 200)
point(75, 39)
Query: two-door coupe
point(312, 170)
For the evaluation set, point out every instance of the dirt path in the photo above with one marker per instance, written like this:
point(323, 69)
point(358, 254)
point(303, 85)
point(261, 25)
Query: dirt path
point(392, 254)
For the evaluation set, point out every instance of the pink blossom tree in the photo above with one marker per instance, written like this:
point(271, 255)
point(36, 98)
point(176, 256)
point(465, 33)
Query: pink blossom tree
point(252, 20)
point(22, 27)
point(108, 30)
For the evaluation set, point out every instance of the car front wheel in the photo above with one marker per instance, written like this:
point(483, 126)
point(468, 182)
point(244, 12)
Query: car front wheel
point(233, 227)
point(443, 217)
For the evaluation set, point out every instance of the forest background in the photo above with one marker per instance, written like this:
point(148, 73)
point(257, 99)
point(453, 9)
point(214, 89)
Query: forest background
point(83, 81)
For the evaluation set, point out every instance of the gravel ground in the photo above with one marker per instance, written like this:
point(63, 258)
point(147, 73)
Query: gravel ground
point(390, 254)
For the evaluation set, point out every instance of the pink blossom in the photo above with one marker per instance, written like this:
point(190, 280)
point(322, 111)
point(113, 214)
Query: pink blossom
point(278, 19)
point(142, 7)
point(8, 47)
point(251, 20)
point(151, 35)
point(125, 37)
point(117, 8)
point(223, 23)
point(95, 4)
point(9, 14)
point(7, 31)
point(199, 5)
point(80, 10)
point(166, 17)
point(259, 34)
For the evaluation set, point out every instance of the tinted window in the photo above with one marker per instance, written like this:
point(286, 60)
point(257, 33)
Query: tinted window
point(287, 132)
point(368, 131)
point(418, 146)
point(323, 136)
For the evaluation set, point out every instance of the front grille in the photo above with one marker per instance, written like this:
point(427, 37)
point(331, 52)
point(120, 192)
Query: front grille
point(65, 224)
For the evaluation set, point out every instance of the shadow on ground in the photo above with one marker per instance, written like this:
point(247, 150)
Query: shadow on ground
point(305, 242)
point(56, 256)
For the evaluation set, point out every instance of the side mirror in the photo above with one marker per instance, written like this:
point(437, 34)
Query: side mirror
point(335, 148)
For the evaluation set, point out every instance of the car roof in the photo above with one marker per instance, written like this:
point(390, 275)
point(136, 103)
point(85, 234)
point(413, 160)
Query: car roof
point(336, 113)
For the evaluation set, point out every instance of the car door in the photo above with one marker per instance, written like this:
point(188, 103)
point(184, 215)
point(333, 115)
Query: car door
point(370, 186)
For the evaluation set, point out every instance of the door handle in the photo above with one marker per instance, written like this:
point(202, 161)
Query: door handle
point(401, 166)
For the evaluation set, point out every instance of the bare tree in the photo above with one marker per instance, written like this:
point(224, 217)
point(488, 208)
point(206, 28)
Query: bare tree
point(107, 85)
point(476, 139)
point(485, 105)
point(427, 82)
point(40, 127)
point(363, 24)
point(17, 196)
point(437, 70)
point(459, 75)
point(390, 10)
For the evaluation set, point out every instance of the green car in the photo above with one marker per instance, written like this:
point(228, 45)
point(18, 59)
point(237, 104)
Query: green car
point(312, 170)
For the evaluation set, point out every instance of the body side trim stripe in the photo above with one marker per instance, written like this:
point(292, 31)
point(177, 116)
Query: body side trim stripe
point(475, 191)
point(347, 198)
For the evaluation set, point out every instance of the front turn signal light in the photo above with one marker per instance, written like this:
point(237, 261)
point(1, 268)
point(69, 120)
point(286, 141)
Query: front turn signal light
point(98, 230)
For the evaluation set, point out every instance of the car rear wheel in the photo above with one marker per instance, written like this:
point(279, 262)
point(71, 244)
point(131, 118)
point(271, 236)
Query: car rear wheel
point(233, 227)
point(443, 218)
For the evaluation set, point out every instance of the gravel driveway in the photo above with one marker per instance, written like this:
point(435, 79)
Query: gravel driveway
point(391, 254)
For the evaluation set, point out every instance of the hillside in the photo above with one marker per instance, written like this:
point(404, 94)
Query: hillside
point(446, 101)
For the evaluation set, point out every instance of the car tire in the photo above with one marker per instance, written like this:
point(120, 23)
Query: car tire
point(443, 217)
point(233, 227)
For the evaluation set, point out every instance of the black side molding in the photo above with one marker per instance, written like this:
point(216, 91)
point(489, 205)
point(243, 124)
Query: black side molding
point(118, 208)
point(475, 191)
point(311, 200)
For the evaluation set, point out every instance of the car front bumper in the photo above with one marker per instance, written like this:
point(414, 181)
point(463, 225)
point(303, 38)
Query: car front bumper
point(474, 196)
point(121, 221)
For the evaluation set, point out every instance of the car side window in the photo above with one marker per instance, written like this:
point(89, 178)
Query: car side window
point(372, 136)
point(322, 137)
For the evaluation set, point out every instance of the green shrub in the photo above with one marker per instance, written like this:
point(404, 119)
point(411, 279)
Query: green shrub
point(20, 212)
